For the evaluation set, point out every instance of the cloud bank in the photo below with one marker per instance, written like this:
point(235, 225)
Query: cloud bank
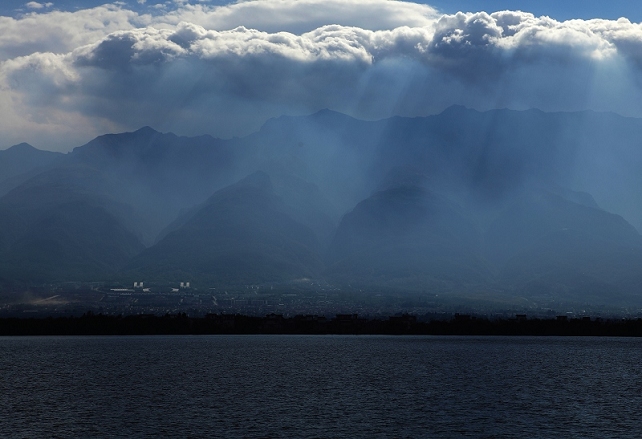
point(197, 69)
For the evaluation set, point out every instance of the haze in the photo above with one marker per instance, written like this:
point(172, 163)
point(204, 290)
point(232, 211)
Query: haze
point(363, 144)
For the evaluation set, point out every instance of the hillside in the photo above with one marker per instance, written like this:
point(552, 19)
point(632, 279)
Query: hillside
point(543, 206)
point(242, 234)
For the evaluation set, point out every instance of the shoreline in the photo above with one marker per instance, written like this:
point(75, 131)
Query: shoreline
point(342, 324)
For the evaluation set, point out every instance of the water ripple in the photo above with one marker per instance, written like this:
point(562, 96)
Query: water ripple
point(320, 386)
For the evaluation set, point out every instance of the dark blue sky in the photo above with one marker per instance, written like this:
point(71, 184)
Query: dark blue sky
point(560, 10)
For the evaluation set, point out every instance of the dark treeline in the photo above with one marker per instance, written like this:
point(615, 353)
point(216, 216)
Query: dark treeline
point(98, 324)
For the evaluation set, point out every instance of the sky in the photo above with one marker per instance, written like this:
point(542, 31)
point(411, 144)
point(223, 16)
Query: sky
point(72, 70)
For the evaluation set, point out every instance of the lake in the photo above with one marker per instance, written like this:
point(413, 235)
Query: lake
point(320, 386)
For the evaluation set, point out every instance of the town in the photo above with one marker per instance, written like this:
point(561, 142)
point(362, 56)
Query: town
point(289, 300)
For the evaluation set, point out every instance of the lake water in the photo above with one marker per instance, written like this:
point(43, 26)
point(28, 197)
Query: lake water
point(320, 386)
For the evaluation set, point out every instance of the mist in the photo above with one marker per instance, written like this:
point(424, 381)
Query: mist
point(275, 218)
point(502, 203)
point(368, 145)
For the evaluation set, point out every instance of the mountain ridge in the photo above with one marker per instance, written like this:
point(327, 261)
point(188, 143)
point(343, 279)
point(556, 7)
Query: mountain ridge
point(463, 201)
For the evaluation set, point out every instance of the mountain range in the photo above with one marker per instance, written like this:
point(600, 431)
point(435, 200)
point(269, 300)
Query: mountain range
point(541, 206)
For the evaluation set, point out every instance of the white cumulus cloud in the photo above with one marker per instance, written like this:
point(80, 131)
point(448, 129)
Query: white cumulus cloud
point(36, 5)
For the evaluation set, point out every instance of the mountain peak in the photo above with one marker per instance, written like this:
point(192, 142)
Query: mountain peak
point(25, 150)
point(147, 130)
point(259, 179)
point(457, 110)
point(137, 140)
point(325, 112)
point(21, 147)
point(329, 115)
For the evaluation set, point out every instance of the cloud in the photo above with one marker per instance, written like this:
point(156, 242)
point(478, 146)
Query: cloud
point(225, 70)
point(36, 5)
point(62, 32)
point(299, 16)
